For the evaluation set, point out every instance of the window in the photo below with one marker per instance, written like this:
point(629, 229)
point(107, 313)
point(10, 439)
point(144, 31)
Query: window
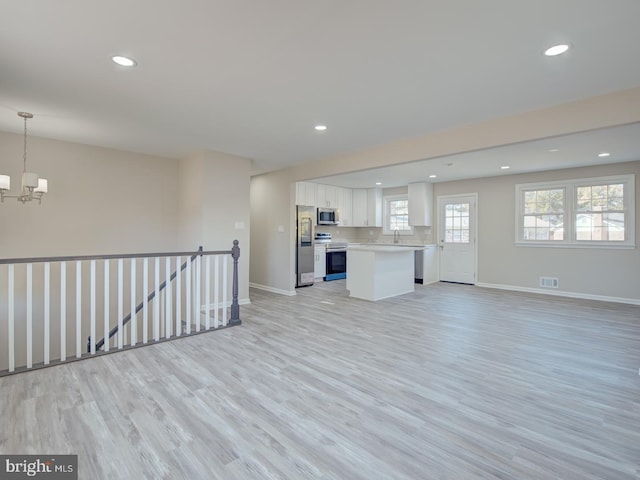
point(600, 212)
point(543, 214)
point(396, 215)
point(586, 212)
point(456, 219)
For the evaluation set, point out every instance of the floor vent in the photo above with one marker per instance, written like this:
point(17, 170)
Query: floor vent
point(548, 282)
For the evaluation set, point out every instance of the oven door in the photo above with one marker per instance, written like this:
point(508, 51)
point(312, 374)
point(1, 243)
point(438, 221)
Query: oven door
point(336, 264)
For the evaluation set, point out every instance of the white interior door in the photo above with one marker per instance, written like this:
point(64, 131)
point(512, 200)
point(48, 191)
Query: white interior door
point(457, 237)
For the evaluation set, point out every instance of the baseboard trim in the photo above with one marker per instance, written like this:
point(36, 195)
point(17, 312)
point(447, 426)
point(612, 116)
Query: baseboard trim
point(272, 290)
point(559, 293)
point(221, 304)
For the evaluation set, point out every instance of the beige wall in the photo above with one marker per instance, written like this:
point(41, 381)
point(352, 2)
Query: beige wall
point(214, 207)
point(99, 201)
point(272, 250)
point(273, 257)
point(104, 201)
point(588, 271)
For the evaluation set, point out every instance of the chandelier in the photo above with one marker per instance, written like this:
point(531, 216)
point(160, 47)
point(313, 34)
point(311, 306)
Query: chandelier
point(33, 187)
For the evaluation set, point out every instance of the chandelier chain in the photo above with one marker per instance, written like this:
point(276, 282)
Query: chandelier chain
point(24, 155)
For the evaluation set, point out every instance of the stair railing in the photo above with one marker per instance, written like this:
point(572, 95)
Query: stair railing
point(41, 318)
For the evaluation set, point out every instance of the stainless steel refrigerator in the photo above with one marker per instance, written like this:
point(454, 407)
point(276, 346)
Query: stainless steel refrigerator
point(304, 245)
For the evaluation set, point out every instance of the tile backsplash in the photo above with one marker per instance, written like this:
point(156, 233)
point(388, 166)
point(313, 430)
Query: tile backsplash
point(421, 235)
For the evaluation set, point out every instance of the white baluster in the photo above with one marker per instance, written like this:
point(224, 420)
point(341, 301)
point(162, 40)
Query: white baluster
point(156, 302)
point(145, 301)
point(107, 322)
point(187, 295)
point(29, 315)
point(120, 302)
point(63, 311)
point(198, 287)
point(11, 317)
point(92, 343)
point(47, 313)
point(207, 289)
point(167, 297)
point(178, 296)
point(78, 309)
point(162, 312)
point(134, 319)
point(225, 262)
point(216, 288)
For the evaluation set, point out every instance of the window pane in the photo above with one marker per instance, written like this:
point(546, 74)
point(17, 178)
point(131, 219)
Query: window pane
point(542, 234)
point(600, 227)
point(397, 215)
point(457, 222)
point(529, 234)
point(556, 200)
point(543, 219)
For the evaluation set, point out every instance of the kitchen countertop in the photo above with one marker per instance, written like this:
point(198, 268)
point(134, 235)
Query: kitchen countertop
point(382, 247)
point(383, 244)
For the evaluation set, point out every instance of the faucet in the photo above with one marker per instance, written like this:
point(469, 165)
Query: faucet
point(396, 236)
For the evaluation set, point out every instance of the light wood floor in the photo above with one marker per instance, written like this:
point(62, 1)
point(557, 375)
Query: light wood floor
point(450, 382)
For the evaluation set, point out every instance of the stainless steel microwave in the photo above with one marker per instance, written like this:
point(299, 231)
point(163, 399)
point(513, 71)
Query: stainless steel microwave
point(328, 216)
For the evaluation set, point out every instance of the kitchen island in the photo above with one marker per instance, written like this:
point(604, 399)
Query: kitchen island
point(380, 271)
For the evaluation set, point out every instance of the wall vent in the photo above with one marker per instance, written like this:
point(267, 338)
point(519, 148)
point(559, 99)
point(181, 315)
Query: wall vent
point(548, 282)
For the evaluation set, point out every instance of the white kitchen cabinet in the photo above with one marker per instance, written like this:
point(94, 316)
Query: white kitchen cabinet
point(327, 196)
point(306, 194)
point(359, 207)
point(374, 207)
point(420, 196)
point(345, 206)
point(320, 262)
point(430, 266)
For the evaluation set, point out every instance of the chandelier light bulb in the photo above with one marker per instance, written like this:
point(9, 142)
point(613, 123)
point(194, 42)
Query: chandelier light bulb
point(33, 187)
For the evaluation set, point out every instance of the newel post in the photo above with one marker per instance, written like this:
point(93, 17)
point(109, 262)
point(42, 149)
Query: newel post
point(235, 307)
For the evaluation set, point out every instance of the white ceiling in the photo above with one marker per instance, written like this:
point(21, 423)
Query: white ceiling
point(252, 77)
point(578, 150)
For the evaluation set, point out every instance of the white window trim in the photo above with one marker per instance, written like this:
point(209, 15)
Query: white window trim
point(570, 186)
point(385, 214)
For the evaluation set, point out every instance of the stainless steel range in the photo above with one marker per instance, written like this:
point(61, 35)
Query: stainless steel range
point(336, 261)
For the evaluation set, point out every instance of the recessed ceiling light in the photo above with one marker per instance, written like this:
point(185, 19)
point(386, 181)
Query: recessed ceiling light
point(556, 50)
point(553, 150)
point(433, 176)
point(378, 183)
point(505, 167)
point(604, 154)
point(124, 61)
point(320, 128)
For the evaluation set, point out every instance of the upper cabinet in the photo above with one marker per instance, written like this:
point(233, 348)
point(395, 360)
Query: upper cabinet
point(306, 194)
point(420, 204)
point(345, 206)
point(374, 207)
point(327, 196)
point(359, 207)
point(367, 207)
